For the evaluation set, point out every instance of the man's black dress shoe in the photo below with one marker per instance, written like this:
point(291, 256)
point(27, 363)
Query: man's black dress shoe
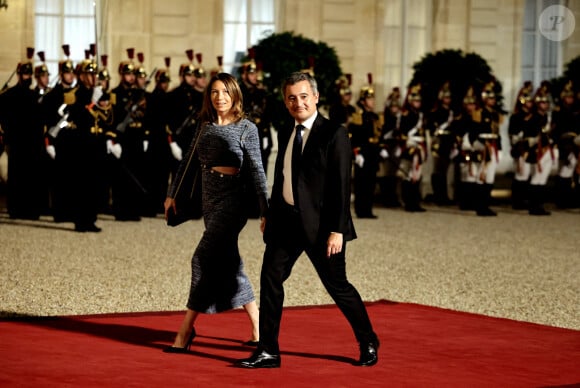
point(368, 354)
point(260, 359)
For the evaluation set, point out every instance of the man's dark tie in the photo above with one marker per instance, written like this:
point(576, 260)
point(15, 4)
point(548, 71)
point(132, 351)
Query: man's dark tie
point(296, 156)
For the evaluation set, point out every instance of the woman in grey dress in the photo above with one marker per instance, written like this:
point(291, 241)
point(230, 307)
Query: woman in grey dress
point(227, 141)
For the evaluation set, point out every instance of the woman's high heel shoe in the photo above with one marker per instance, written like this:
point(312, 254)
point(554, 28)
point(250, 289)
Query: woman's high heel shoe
point(185, 349)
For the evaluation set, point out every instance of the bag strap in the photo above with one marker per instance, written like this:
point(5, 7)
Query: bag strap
point(200, 130)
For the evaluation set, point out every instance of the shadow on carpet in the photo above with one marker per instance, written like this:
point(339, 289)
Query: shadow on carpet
point(420, 346)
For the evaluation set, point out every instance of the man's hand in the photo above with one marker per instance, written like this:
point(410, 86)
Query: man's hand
point(333, 244)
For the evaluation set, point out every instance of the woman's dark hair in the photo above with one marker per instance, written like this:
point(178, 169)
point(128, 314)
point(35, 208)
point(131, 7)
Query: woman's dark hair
point(208, 113)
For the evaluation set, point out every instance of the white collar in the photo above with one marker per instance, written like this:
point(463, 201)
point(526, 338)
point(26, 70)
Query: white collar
point(308, 122)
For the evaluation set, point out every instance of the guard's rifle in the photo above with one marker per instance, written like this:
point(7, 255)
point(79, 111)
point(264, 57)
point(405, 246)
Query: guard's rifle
point(442, 129)
point(189, 120)
point(122, 126)
point(62, 123)
point(150, 77)
point(54, 81)
point(8, 81)
point(131, 110)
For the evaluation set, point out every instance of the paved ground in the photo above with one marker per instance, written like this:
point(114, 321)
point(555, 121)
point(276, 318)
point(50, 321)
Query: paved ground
point(514, 265)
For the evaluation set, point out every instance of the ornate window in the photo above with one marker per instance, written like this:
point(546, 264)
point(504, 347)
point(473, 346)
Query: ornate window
point(541, 57)
point(59, 22)
point(245, 23)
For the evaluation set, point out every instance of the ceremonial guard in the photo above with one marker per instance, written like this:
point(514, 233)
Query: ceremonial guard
point(443, 144)
point(255, 105)
point(542, 155)
point(185, 104)
point(129, 106)
point(142, 79)
point(24, 142)
point(391, 150)
point(465, 129)
point(567, 137)
point(486, 144)
point(87, 131)
point(104, 76)
point(157, 155)
point(414, 153)
point(41, 76)
point(522, 134)
point(59, 144)
point(365, 131)
point(255, 100)
point(341, 110)
point(200, 82)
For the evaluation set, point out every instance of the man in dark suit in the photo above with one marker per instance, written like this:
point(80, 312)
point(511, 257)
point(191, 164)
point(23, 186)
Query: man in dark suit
point(309, 212)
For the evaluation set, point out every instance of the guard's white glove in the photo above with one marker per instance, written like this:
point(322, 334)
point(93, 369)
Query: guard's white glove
point(453, 154)
point(265, 143)
point(359, 160)
point(114, 148)
point(51, 151)
point(384, 153)
point(97, 94)
point(145, 145)
point(176, 151)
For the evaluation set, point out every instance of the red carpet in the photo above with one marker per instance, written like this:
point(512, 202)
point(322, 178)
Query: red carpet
point(420, 347)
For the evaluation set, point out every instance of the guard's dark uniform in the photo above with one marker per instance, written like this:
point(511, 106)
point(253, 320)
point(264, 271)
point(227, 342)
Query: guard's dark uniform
point(391, 150)
point(24, 142)
point(542, 155)
point(58, 142)
point(566, 135)
point(486, 145)
point(89, 128)
point(41, 76)
point(158, 157)
point(365, 131)
point(465, 128)
point(129, 106)
point(185, 104)
point(255, 106)
point(521, 133)
point(341, 110)
point(414, 151)
point(443, 144)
